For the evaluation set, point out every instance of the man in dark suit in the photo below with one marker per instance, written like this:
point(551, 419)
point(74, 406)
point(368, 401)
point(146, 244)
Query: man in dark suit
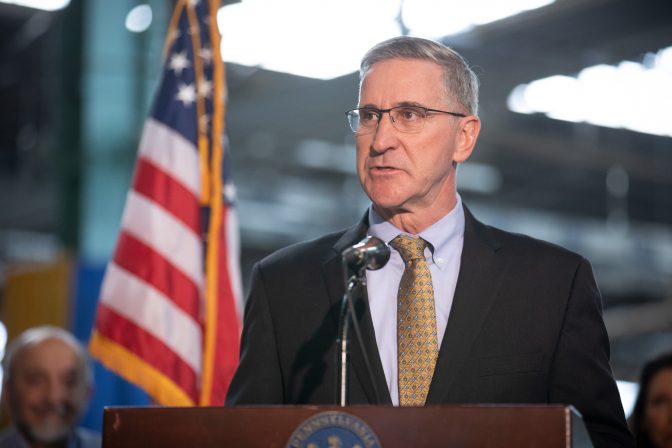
point(511, 319)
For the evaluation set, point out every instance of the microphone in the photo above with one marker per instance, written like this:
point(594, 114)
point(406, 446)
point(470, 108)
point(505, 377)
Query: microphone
point(370, 253)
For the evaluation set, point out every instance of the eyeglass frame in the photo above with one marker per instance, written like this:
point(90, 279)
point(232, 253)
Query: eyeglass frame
point(380, 112)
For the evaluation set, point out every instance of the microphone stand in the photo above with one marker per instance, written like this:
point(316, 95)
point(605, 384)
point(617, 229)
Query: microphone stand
point(370, 253)
point(354, 281)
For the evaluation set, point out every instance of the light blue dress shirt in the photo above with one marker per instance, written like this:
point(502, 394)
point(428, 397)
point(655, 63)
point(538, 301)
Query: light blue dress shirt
point(445, 238)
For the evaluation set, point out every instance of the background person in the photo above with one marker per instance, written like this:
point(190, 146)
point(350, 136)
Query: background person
point(652, 415)
point(46, 388)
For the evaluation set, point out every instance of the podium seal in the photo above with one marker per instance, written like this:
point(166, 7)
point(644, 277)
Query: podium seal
point(333, 430)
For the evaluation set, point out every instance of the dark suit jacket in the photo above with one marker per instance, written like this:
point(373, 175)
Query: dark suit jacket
point(525, 327)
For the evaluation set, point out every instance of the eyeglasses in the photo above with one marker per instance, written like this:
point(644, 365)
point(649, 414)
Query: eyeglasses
point(408, 119)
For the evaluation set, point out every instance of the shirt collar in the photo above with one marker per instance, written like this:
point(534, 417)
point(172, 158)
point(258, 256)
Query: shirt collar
point(14, 437)
point(441, 235)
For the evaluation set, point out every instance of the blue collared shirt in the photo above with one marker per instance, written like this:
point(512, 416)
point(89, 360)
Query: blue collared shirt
point(78, 438)
point(445, 238)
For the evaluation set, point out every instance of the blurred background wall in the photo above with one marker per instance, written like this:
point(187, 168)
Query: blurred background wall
point(576, 146)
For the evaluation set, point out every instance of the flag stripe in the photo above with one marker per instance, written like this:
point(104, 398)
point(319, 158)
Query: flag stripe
point(164, 234)
point(172, 153)
point(152, 182)
point(232, 256)
point(141, 261)
point(156, 313)
point(136, 339)
point(133, 366)
point(228, 324)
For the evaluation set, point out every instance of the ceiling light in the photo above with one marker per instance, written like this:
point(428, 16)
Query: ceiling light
point(429, 18)
point(46, 5)
point(302, 37)
point(139, 18)
point(630, 95)
point(327, 39)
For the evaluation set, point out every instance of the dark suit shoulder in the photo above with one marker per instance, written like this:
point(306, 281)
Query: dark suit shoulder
point(309, 252)
point(525, 246)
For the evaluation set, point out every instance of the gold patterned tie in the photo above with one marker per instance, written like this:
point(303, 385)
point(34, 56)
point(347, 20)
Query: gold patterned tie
point(416, 323)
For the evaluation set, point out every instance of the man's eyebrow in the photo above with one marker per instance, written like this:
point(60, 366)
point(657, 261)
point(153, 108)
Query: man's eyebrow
point(399, 104)
point(410, 104)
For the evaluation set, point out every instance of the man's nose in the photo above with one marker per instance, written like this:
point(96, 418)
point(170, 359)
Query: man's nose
point(56, 394)
point(385, 135)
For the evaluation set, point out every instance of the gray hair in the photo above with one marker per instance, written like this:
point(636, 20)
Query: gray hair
point(37, 335)
point(461, 81)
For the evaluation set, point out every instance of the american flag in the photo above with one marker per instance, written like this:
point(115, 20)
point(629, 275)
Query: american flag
point(168, 318)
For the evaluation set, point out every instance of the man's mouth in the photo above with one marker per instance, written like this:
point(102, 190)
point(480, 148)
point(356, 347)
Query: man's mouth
point(384, 168)
point(52, 411)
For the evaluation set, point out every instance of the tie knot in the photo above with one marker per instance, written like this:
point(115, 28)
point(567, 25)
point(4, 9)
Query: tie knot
point(409, 247)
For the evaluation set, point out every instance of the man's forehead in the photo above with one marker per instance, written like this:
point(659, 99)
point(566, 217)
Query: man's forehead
point(402, 68)
point(51, 354)
point(402, 81)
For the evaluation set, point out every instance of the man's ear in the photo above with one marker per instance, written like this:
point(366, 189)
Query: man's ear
point(467, 135)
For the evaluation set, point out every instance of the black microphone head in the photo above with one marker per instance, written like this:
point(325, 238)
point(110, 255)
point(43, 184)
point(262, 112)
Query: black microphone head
point(370, 253)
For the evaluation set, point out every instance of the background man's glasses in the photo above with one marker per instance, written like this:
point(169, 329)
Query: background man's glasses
point(409, 119)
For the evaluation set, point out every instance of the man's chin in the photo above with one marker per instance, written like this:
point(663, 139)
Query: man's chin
point(48, 432)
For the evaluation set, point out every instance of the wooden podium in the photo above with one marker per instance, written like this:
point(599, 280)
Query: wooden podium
point(450, 426)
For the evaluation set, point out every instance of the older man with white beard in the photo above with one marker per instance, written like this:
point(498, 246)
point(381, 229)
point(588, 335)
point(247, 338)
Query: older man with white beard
point(46, 388)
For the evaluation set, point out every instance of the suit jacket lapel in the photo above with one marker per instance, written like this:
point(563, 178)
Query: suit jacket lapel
point(478, 281)
point(333, 273)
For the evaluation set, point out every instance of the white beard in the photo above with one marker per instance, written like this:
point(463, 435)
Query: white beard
point(49, 432)
point(52, 429)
